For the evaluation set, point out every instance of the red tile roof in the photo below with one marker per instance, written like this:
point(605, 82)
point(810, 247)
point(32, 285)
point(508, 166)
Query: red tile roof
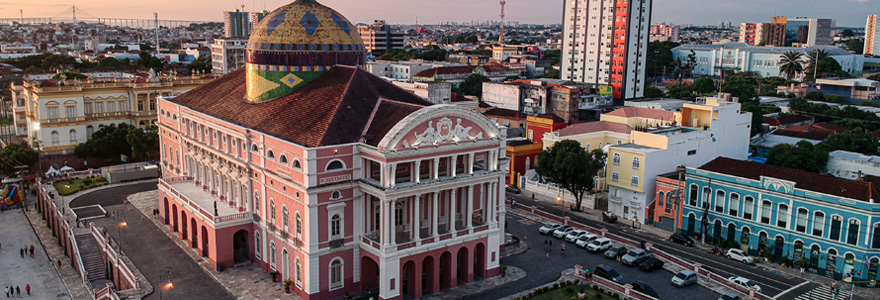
point(786, 119)
point(597, 126)
point(335, 108)
point(827, 184)
point(456, 97)
point(641, 112)
point(817, 132)
point(505, 113)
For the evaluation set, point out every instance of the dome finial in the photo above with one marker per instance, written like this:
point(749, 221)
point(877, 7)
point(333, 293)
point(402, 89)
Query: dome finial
point(306, 2)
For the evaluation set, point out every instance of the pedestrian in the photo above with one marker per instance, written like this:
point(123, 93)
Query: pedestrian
point(59, 264)
point(17, 291)
point(533, 196)
point(512, 203)
point(22, 252)
point(7, 292)
point(546, 245)
point(28, 289)
point(550, 245)
point(32, 251)
point(563, 248)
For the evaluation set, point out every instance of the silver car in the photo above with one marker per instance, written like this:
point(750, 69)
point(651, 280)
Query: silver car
point(684, 278)
point(635, 257)
point(561, 232)
point(549, 228)
point(574, 235)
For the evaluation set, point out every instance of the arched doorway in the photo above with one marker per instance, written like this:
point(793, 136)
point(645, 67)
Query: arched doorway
point(798, 254)
point(285, 264)
point(744, 239)
point(195, 233)
point(446, 272)
point(369, 274)
point(831, 263)
point(731, 233)
point(183, 224)
point(240, 248)
point(480, 260)
point(716, 232)
point(174, 213)
point(848, 267)
point(462, 264)
point(778, 247)
point(166, 211)
point(690, 228)
point(815, 252)
point(430, 276)
point(762, 241)
point(872, 269)
point(204, 241)
point(408, 279)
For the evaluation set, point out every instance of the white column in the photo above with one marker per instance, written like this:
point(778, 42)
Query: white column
point(391, 225)
point(452, 198)
point(418, 216)
point(393, 174)
point(454, 164)
point(469, 214)
point(417, 167)
point(436, 171)
point(435, 217)
point(470, 163)
point(386, 229)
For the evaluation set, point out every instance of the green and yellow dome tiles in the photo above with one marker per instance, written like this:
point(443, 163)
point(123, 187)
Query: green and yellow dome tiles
point(295, 44)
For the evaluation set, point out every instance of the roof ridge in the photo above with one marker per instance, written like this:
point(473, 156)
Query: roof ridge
point(372, 115)
point(341, 99)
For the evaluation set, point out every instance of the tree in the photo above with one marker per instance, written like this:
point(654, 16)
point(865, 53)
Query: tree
point(143, 142)
point(108, 142)
point(685, 66)
point(14, 155)
point(201, 64)
point(847, 33)
point(109, 62)
point(801, 156)
point(570, 166)
point(552, 55)
point(473, 85)
point(70, 75)
point(791, 64)
point(812, 58)
point(856, 46)
point(553, 73)
point(173, 46)
point(653, 92)
point(659, 58)
point(704, 85)
point(857, 140)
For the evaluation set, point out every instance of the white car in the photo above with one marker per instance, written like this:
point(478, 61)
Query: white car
point(562, 232)
point(599, 245)
point(574, 235)
point(585, 240)
point(549, 228)
point(739, 255)
point(744, 282)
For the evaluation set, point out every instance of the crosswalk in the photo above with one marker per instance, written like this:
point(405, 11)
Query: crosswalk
point(823, 292)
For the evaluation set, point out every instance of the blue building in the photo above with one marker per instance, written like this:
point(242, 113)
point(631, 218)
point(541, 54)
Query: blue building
point(711, 59)
point(830, 225)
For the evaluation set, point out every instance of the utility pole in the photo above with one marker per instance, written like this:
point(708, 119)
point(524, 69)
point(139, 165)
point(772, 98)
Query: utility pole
point(501, 32)
point(156, 16)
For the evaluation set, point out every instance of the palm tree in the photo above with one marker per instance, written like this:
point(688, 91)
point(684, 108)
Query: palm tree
point(814, 57)
point(790, 64)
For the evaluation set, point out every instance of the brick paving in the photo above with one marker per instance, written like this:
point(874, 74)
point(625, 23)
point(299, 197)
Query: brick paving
point(46, 279)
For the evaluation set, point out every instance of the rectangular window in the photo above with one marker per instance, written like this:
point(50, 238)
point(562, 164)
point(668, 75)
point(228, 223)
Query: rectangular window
point(719, 201)
point(123, 106)
point(99, 107)
point(140, 105)
point(733, 207)
point(818, 223)
point(748, 207)
point(692, 152)
point(692, 199)
point(88, 108)
point(801, 224)
point(71, 112)
point(53, 113)
point(766, 211)
point(111, 107)
point(852, 232)
point(836, 222)
point(782, 216)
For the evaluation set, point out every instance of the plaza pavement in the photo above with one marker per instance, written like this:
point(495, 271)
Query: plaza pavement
point(40, 271)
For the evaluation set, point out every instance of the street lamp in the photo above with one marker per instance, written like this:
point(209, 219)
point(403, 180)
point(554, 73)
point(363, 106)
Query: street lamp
point(168, 286)
point(63, 205)
point(562, 204)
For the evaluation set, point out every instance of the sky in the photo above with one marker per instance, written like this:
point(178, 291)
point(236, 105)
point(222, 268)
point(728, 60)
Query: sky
point(847, 13)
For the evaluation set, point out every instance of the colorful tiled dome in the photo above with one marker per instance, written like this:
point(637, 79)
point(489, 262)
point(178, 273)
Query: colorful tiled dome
point(295, 44)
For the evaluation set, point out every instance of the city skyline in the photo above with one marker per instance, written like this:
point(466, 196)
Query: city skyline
point(847, 13)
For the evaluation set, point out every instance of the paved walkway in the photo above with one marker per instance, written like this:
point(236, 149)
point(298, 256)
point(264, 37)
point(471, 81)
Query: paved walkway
point(40, 271)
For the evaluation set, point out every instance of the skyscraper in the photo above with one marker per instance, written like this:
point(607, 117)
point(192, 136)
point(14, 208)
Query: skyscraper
point(872, 36)
point(806, 32)
point(604, 42)
point(236, 24)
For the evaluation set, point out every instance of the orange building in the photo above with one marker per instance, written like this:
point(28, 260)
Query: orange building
point(524, 152)
point(665, 212)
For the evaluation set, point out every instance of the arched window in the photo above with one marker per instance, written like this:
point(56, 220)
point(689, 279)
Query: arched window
point(636, 163)
point(852, 232)
point(284, 215)
point(298, 273)
point(73, 139)
point(55, 138)
point(89, 131)
point(254, 148)
point(270, 155)
point(660, 198)
point(782, 216)
point(257, 202)
point(802, 215)
point(615, 176)
point(693, 194)
point(296, 164)
point(836, 227)
point(282, 159)
point(619, 142)
point(616, 159)
point(733, 207)
point(335, 229)
point(766, 211)
point(528, 163)
point(272, 210)
point(272, 255)
point(258, 252)
point(634, 180)
point(818, 223)
point(335, 165)
point(748, 207)
point(719, 201)
point(336, 274)
point(298, 224)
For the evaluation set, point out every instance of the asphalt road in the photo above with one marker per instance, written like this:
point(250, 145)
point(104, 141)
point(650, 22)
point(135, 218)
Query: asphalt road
point(773, 283)
point(540, 270)
point(112, 196)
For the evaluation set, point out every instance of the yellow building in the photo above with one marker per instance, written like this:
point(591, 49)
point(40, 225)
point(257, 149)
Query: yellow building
point(592, 135)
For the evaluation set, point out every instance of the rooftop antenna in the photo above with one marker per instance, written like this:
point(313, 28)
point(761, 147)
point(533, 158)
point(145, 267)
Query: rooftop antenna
point(156, 17)
point(501, 33)
point(74, 16)
point(21, 11)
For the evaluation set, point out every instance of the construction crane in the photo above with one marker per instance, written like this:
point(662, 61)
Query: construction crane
point(501, 32)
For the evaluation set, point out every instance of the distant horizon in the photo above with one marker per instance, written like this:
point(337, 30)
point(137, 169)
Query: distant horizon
point(846, 13)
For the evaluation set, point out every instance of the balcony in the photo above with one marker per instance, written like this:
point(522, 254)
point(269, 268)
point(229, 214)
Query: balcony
point(402, 234)
point(199, 201)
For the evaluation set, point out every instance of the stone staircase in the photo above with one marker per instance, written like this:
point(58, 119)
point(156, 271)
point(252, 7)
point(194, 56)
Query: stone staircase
point(91, 257)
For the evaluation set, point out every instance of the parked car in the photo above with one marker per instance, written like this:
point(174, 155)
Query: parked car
point(574, 235)
point(586, 240)
point(684, 278)
point(608, 273)
point(741, 256)
point(549, 228)
point(730, 296)
point(644, 288)
point(681, 239)
point(615, 252)
point(635, 257)
point(562, 231)
point(599, 245)
point(744, 282)
point(651, 264)
point(512, 189)
point(609, 217)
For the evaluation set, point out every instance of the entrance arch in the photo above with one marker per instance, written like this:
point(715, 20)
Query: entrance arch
point(690, 228)
point(447, 275)
point(240, 249)
point(480, 260)
point(762, 241)
point(369, 273)
point(464, 264)
point(731, 233)
point(285, 264)
point(183, 219)
point(778, 247)
point(815, 251)
point(745, 239)
point(408, 279)
point(204, 241)
point(831, 263)
point(716, 232)
point(195, 233)
point(166, 211)
point(174, 213)
point(428, 282)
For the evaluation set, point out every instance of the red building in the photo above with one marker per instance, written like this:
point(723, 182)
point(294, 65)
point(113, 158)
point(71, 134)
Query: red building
point(523, 152)
point(665, 212)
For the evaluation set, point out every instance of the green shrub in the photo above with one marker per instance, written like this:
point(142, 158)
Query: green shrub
point(568, 290)
point(598, 296)
point(555, 286)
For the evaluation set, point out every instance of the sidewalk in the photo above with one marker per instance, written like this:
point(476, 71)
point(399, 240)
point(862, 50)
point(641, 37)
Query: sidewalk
point(47, 280)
